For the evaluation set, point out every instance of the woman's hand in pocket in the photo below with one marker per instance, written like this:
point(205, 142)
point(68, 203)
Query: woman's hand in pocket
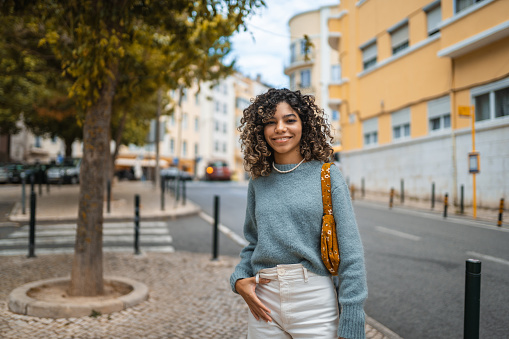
point(246, 288)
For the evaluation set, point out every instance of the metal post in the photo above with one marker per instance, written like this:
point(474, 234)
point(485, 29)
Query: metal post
point(23, 193)
point(402, 190)
point(31, 243)
point(500, 212)
point(432, 195)
point(472, 299)
point(184, 192)
point(215, 247)
point(391, 197)
point(363, 192)
point(352, 190)
point(462, 203)
point(163, 184)
point(39, 180)
point(177, 188)
point(108, 196)
point(137, 224)
point(446, 203)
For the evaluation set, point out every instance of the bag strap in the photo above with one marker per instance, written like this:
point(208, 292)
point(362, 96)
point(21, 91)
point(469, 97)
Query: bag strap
point(326, 189)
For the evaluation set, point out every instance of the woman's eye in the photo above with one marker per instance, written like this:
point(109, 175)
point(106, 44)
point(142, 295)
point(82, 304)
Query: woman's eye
point(270, 123)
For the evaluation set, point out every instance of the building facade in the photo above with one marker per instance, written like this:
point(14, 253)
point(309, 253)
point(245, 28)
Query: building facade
point(407, 68)
point(202, 126)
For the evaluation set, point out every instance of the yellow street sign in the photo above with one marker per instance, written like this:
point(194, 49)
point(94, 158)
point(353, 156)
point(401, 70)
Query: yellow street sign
point(464, 111)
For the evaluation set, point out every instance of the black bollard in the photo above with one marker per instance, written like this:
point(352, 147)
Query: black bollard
point(215, 247)
point(108, 196)
point(391, 197)
point(177, 188)
point(31, 238)
point(163, 185)
point(472, 299)
point(462, 194)
point(137, 224)
point(402, 190)
point(446, 203)
point(363, 192)
point(432, 195)
point(500, 212)
point(23, 193)
point(39, 180)
point(184, 192)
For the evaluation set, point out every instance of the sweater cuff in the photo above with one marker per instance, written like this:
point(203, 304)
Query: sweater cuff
point(352, 322)
point(236, 276)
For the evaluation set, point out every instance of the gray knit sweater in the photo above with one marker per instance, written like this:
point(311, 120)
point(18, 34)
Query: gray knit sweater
point(283, 224)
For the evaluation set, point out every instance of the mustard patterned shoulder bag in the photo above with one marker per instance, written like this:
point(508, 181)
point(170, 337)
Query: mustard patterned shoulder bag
point(329, 240)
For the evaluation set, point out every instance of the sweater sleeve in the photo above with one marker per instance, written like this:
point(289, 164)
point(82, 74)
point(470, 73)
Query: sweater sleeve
point(353, 289)
point(244, 269)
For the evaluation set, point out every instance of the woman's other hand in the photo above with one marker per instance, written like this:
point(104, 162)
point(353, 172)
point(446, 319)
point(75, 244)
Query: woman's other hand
point(246, 288)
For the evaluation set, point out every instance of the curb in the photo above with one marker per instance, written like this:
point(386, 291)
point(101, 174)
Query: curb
point(19, 301)
point(387, 333)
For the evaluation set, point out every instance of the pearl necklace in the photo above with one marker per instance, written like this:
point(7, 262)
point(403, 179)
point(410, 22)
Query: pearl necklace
point(274, 166)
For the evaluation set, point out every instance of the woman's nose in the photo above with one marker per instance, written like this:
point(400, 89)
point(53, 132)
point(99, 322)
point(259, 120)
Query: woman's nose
point(280, 126)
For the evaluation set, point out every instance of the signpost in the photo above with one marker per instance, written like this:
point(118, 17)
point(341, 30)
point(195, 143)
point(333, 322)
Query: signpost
point(474, 161)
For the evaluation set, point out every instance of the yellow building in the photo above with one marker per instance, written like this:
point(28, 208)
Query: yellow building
point(406, 68)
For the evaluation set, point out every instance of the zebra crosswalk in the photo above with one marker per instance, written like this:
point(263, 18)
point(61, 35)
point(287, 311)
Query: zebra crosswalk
point(117, 237)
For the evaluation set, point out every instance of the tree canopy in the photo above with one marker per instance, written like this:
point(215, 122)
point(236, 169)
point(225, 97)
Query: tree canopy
point(114, 53)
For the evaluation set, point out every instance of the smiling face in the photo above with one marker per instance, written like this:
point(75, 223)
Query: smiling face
point(283, 133)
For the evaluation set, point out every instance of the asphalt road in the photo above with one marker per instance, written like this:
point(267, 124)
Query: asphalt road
point(415, 264)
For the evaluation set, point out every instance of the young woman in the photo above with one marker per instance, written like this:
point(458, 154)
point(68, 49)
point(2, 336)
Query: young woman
point(281, 276)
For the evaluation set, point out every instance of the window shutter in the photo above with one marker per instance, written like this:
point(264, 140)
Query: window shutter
point(399, 36)
point(434, 18)
point(401, 117)
point(370, 125)
point(369, 52)
point(439, 107)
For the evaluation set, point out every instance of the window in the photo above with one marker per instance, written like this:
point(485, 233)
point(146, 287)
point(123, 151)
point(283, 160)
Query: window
point(224, 147)
point(335, 115)
point(172, 120)
point(196, 124)
point(195, 150)
point(461, 5)
point(292, 81)
point(502, 103)
point(336, 73)
point(369, 55)
point(293, 55)
point(400, 121)
point(184, 94)
point(196, 99)
point(184, 148)
point(433, 17)
point(303, 47)
point(217, 125)
point(305, 78)
point(225, 108)
point(370, 131)
point(491, 101)
point(439, 114)
point(224, 128)
point(172, 145)
point(399, 38)
point(218, 108)
point(216, 146)
point(38, 142)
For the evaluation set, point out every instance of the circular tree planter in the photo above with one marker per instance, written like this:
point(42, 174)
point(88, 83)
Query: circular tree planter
point(48, 298)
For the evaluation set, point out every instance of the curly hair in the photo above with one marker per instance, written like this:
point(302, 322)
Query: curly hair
point(316, 133)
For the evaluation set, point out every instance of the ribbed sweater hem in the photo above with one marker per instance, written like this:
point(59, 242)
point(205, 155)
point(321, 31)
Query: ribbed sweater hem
point(352, 322)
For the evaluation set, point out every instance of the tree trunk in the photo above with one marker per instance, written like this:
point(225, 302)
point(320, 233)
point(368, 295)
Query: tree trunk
point(68, 147)
point(87, 267)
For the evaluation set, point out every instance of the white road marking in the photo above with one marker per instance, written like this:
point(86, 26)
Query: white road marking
point(476, 255)
point(397, 233)
point(228, 232)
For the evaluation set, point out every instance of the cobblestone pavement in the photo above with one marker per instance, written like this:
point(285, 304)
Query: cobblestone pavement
point(190, 297)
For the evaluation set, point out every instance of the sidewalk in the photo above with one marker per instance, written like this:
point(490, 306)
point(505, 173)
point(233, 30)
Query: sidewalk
point(189, 296)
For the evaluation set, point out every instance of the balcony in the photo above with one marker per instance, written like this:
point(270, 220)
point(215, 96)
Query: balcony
point(333, 39)
point(300, 61)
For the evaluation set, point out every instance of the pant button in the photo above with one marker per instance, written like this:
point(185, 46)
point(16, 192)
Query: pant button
point(281, 271)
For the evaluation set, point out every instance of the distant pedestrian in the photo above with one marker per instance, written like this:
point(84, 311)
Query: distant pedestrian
point(281, 276)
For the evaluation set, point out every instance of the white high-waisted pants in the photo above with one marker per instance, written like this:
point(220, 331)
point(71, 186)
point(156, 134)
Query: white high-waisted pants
point(302, 305)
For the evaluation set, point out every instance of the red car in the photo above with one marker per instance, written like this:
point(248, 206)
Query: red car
point(217, 170)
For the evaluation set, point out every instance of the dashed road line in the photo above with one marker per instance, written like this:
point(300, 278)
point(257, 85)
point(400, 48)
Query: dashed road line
point(397, 233)
point(488, 257)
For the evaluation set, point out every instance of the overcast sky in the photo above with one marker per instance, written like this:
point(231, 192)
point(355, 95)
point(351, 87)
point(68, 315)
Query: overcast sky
point(265, 48)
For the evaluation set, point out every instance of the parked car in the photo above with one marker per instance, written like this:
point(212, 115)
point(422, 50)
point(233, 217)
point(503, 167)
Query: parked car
point(67, 173)
point(173, 172)
point(217, 170)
